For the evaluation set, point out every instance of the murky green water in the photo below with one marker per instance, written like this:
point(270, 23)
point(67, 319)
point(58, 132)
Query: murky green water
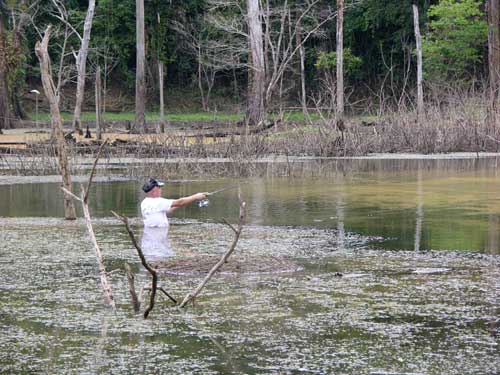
point(417, 244)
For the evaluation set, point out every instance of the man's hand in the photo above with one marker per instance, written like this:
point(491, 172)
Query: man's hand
point(200, 196)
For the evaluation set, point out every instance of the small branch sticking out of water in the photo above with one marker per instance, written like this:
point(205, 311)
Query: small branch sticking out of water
point(191, 296)
point(133, 295)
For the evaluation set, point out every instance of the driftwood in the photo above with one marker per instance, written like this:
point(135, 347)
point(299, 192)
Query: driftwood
point(151, 270)
point(237, 231)
point(83, 199)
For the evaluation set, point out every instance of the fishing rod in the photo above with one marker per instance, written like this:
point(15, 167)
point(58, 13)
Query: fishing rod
point(206, 202)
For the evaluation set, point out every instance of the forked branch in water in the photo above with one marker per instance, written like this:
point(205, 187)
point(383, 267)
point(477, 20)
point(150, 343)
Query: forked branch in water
point(147, 266)
point(237, 231)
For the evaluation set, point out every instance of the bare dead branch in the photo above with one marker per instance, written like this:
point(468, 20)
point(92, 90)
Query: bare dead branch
point(93, 170)
point(151, 270)
point(191, 296)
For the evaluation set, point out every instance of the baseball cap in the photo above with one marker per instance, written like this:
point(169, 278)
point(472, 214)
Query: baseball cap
point(151, 184)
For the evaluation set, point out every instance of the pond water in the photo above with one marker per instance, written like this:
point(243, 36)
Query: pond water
point(400, 259)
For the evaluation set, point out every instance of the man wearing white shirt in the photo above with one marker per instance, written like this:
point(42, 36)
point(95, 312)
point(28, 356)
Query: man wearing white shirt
point(155, 211)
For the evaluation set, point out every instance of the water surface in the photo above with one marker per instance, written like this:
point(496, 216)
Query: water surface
point(400, 275)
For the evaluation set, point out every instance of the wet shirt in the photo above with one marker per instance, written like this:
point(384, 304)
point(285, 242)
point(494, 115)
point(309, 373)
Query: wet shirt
point(154, 211)
point(154, 242)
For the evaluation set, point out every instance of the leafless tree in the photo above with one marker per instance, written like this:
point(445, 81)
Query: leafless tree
point(4, 93)
point(52, 94)
point(420, 93)
point(494, 50)
point(212, 55)
point(273, 46)
point(81, 63)
point(340, 62)
point(140, 74)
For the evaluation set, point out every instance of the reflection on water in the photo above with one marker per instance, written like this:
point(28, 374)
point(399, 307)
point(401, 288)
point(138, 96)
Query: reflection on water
point(407, 204)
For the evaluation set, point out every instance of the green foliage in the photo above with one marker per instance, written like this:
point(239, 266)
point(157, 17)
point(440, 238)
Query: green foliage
point(454, 46)
point(380, 32)
point(352, 64)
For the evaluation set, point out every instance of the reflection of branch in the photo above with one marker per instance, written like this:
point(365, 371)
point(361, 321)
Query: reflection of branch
point(191, 296)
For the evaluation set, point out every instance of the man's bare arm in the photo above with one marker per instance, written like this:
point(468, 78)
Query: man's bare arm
point(184, 201)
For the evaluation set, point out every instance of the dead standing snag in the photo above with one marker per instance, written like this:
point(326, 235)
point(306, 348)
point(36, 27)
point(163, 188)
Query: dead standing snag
point(106, 287)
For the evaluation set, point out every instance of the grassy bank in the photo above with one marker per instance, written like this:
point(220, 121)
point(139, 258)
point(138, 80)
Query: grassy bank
point(294, 116)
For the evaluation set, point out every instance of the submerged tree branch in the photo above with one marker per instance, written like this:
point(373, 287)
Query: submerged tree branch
point(151, 270)
point(191, 296)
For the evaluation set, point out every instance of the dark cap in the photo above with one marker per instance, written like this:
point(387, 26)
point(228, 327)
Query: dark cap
point(151, 184)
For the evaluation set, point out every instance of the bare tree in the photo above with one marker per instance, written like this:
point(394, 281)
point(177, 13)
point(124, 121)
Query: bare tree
point(340, 62)
point(420, 92)
point(212, 55)
point(272, 56)
point(4, 90)
point(256, 81)
point(52, 94)
point(494, 50)
point(81, 63)
point(140, 74)
point(98, 104)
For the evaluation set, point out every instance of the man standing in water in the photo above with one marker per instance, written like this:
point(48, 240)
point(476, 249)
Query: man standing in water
point(155, 209)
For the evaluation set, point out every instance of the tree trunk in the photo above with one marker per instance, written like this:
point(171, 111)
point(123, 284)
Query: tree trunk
point(340, 62)
point(420, 92)
point(162, 100)
point(303, 98)
point(4, 90)
point(98, 103)
point(140, 76)
point(494, 51)
point(256, 86)
point(41, 50)
point(81, 63)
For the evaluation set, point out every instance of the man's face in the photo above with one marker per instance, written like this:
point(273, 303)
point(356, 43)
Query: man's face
point(155, 192)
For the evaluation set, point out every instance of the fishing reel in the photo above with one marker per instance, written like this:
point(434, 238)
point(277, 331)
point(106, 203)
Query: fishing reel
point(203, 203)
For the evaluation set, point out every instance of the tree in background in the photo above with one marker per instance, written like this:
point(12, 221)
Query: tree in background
point(140, 67)
point(454, 45)
point(326, 63)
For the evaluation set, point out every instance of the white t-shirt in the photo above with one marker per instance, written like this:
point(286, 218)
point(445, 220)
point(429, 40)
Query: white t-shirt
point(154, 242)
point(154, 211)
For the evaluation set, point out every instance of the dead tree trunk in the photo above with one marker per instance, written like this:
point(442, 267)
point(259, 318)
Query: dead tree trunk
point(106, 286)
point(237, 232)
point(162, 100)
point(140, 75)
point(420, 92)
point(4, 90)
point(81, 63)
point(339, 114)
point(300, 45)
point(52, 95)
point(98, 104)
point(256, 111)
point(494, 51)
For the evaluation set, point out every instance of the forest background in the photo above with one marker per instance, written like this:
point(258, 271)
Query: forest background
point(202, 48)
